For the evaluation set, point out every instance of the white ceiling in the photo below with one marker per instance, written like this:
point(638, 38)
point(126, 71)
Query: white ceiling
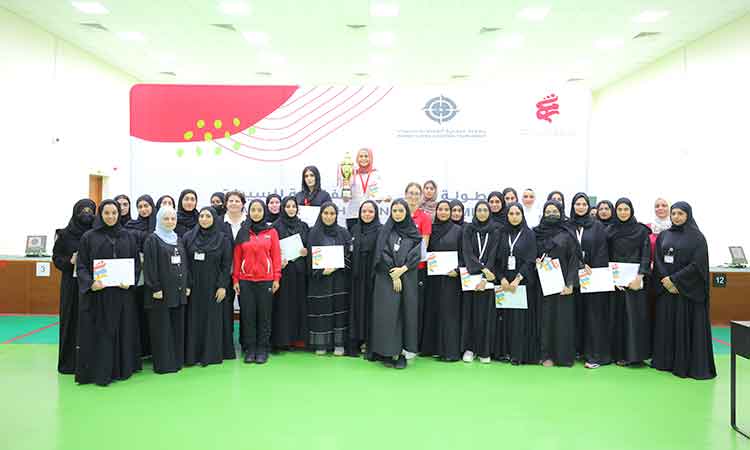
point(434, 40)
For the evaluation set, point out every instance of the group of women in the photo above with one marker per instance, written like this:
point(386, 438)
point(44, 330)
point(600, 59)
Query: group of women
point(190, 263)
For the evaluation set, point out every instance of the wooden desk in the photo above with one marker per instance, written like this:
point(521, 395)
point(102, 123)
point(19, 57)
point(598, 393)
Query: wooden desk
point(740, 346)
point(732, 301)
point(23, 292)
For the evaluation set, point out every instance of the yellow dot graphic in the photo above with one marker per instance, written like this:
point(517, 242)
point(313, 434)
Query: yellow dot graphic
point(217, 124)
point(200, 123)
point(227, 134)
point(188, 135)
point(208, 136)
point(236, 145)
point(236, 122)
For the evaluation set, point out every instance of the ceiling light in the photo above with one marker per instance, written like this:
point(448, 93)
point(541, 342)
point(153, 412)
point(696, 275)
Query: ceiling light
point(133, 36)
point(256, 37)
point(379, 9)
point(382, 38)
point(234, 8)
point(650, 16)
point(509, 41)
point(534, 14)
point(90, 7)
point(609, 43)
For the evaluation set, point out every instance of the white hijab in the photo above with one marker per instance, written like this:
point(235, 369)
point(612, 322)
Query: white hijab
point(168, 236)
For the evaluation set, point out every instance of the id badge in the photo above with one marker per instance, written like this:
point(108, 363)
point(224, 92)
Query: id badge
point(200, 256)
point(396, 247)
point(669, 259)
point(176, 259)
point(511, 263)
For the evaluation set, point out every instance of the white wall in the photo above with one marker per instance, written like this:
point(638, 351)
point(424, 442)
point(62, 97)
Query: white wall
point(52, 90)
point(678, 129)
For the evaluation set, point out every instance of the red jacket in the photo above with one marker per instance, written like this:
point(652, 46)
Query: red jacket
point(258, 258)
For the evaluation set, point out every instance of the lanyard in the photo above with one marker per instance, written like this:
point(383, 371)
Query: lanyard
point(482, 247)
point(365, 183)
point(513, 244)
point(579, 234)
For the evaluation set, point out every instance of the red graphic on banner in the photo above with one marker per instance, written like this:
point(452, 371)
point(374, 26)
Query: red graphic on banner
point(193, 113)
point(547, 108)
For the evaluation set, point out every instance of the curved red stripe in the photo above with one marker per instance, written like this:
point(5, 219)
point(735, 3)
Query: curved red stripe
point(287, 105)
point(310, 123)
point(313, 132)
point(312, 143)
point(296, 110)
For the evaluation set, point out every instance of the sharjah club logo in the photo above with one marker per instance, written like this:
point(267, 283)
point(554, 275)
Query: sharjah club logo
point(440, 109)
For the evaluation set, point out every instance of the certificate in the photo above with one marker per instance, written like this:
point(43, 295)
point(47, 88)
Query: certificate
point(114, 272)
point(511, 300)
point(440, 263)
point(470, 282)
point(624, 273)
point(328, 257)
point(290, 247)
point(550, 276)
point(600, 280)
point(308, 214)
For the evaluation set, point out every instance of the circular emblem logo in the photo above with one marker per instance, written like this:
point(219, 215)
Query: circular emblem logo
point(440, 109)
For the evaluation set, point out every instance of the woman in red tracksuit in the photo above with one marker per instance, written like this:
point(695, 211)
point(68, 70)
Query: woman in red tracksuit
point(256, 273)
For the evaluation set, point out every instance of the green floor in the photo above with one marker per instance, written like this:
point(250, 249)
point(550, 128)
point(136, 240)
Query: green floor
point(300, 401)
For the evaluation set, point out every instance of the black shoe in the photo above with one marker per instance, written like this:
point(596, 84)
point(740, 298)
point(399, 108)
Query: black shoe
point(249, 358)
point(262, 358)
point(400, 363)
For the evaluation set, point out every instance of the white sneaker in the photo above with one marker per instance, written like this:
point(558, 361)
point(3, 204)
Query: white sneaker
point(320, 352)
point(468, 356)
point(409, 355)
point(338, 351)
point(484, 360)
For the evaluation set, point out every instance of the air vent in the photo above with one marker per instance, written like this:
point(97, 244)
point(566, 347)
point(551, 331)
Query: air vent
point(459, 76)
point(356, 26)
point(264, 74)
point(485, 30)
point(646, 34)
point(361, 74)
point(170, 74)
point(94, 26)
point(574, 80)
point(224, 26)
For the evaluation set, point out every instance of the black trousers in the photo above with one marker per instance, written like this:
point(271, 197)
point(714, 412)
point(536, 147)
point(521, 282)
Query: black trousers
point(256, 304)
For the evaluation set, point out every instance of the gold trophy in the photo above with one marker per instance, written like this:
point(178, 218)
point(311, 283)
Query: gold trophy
point(346, 170)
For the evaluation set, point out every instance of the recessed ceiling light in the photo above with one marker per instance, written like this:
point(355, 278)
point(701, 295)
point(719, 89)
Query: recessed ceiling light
point(609, 43)
point(536, 14)
point(133, 36)
point(234, 8)
point(90, 7)
point(256, 37)
point(380, 9)
point(382, 38)
point(510, 41)
point(650, 16)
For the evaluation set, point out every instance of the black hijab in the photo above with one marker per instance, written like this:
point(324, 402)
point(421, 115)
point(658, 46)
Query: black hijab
point(441, 227)
point(365, 235)
point(549, 227)
point(287, 226)
point(309, 195)
point(562, 202)
point(629, 230)
point(499, 217)
point(205, 239)
point(125, 218)
point(611, 219)
point(585, 221)
point(690, 224)
point(510, 189)
point(250, 225)
point(152, 219)
point(463, 212)
point(99, 225)
point(80, 223)
point(406, 229)
point(142, 223)
point(220, 210)
point(476, 226)
point(270, 217)
point(188, 219)
point(320, 231)
point(525, 246)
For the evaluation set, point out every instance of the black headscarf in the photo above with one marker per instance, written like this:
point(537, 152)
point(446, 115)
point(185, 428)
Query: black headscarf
point(310, 194)
point(205, 239)
point(220, 210)
point(510, 189)
point(585, 221)
point(80, 223)
point(499, 217)
point(287, 226)
point(188, 219)
point(549, 228)
point(99, 225)
point(125, 217)
point(629, 230)
point(525, 246)
point(405, 229)
point(243, 235)
point(271, 217)
point(463, 212)
point(611, 219)
point(690, 223)
point(476, 226)
point(142, 223)
point(320, 231)
point(152, 219)
point(441, 227)
point(365, 235)
point(562, 202)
